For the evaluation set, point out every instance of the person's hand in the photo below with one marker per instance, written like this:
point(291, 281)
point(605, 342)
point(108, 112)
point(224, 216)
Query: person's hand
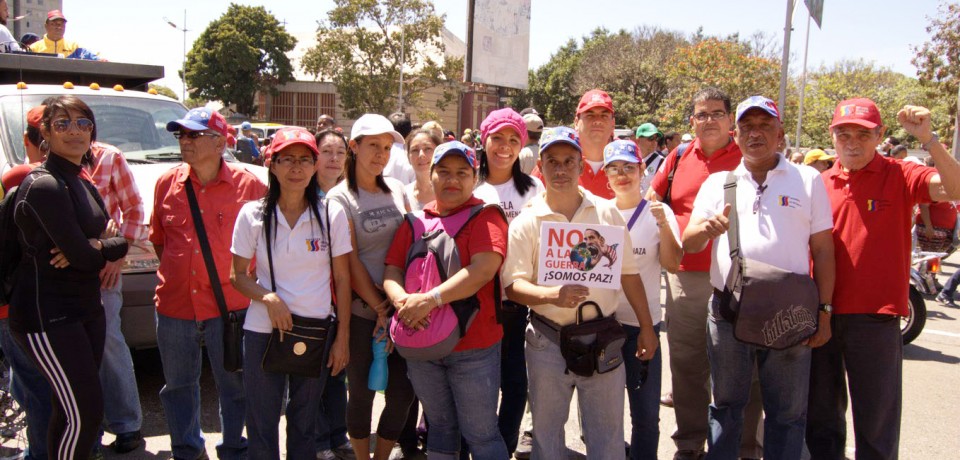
point(339, 354)
point(59, 260)
point(416, 309)
point(656, 209)
point(381, 331)
point(647, 344)
point(278, 311)
point(916, 121)
point(928, 231)
point(718, 224)
point(110, 274)
point(570, 295)
point(111, 231)
point(823, 333)
point(382, 307)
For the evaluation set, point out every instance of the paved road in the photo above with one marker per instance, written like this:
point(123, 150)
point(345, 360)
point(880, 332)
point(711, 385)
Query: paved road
point(930, 425)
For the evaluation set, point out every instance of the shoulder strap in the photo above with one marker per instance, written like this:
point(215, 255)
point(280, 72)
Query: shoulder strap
point(205, 248)
point(730, 197)
point(681, 149)
point(636, 214)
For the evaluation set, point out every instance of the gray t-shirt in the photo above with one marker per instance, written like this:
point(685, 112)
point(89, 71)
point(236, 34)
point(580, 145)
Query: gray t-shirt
point(375, 218)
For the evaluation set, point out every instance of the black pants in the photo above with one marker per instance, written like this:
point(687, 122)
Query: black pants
point(399, 395)
point(867, 350)
point(69, 357)
point(513, 373)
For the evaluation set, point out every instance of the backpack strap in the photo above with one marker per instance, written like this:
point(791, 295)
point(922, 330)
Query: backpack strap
point(681, 149)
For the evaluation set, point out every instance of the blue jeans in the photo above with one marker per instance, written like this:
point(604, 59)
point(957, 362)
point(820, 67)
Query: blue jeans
point(265, 393)
point(31, 391)
point(459, 395)
point(551, 389)
point(179, 342)
point(513, 375)
point(332, 416)
point(121, 401)
point(643, 396)
point(784, 384)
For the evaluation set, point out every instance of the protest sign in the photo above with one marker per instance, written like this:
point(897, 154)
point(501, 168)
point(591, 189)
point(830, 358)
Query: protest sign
point(586, 254)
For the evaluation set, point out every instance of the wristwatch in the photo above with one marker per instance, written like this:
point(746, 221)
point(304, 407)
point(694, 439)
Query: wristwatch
point(826, 307)
point(934, 138)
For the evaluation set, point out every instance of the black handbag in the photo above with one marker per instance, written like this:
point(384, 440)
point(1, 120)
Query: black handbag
point(768, 306)
point(303, 350)
point(594, 346)
point(232, 320)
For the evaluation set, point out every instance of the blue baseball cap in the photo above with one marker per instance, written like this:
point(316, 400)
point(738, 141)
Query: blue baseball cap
point(200, 119)
point(455, 148)
point(245, 125)
point(560, 134)
point(620, 150)
point(758, 102)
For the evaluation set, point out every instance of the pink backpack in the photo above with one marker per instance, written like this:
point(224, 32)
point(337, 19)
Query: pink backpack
point(433, 257)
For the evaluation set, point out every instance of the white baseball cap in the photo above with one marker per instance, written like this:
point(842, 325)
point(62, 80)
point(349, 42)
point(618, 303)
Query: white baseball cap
point(372, 124)
point(686, 137)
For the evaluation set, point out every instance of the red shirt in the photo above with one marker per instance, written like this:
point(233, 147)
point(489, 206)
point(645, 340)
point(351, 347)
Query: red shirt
point(487, 232)
point(693, 169)
point(184, 291)
point(872, 215)
point(943, 214)
point(596, 183)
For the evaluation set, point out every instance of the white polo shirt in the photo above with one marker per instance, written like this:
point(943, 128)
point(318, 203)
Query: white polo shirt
point(646, 251)
point(523, 251)
point(793, 206)
point(506, 196)
point(301, 260)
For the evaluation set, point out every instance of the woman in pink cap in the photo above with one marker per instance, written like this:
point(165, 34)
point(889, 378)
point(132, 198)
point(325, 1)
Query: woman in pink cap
point(502, 182)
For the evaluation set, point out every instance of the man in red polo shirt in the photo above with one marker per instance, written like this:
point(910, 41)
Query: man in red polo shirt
point(872, 198)
point(594, 124)
point(187, 312)
point(689, 290)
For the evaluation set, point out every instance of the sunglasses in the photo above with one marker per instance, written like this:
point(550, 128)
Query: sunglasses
point(193, 135)
point(84, 125)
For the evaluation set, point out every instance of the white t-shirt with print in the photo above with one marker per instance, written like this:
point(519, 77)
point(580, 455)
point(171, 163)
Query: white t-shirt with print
point(645, 236)
point(301, 259)
point(507, 197)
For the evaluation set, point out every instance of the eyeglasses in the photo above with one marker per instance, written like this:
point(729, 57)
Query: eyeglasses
point(613, 170)
point(288, 161)
point(84, 125)
point(704, 116)
point(193, 135)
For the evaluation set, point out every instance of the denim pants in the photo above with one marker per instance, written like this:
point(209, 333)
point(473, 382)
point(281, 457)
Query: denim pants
point(31, 391)
point(513, 376)
point(179, 341)
point(784, 383)
point(332, 416)
point(459, 395)
point(643, 396)
point(265, 392)
point(121, 401)
point(551, 389)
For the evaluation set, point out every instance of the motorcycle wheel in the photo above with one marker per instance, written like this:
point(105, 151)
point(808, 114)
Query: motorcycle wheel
point(912, 324)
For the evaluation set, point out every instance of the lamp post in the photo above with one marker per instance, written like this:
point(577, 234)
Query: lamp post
point(183, 93)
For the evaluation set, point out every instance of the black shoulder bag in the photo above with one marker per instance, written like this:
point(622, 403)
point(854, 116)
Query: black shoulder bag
point(303, 350)
point(594, 346)
point(232, 320)
point(768, 306)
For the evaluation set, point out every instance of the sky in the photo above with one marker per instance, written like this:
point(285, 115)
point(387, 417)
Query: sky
point(882, 31)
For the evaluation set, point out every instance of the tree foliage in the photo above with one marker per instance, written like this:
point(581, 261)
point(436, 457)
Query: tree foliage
point(938, 61)
point(359, 49)
point(164, 91)
point(242, 52)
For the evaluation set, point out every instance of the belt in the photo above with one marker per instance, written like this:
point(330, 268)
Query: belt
point(546, 327)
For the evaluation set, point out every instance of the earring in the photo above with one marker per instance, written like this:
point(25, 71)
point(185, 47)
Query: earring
point(45, 147)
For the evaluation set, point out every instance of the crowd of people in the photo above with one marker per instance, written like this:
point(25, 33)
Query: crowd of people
point(360, 248)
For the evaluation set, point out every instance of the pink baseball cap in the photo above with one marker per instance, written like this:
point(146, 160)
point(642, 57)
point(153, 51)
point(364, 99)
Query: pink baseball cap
point(55, 14)
point(595, 98)
point(858, 111)
point(500, 119)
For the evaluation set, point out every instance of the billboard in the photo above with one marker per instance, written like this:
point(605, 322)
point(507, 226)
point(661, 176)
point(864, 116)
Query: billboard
point(501, 42)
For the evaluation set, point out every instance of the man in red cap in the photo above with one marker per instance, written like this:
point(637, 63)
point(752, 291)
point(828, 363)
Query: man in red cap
point(53, 41)
point(872, 199)
point(594, 124)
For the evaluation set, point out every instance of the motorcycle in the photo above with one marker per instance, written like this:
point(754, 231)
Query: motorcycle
point(923, 280)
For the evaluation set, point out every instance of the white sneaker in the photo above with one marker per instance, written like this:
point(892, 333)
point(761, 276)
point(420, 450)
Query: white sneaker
point(326, 454)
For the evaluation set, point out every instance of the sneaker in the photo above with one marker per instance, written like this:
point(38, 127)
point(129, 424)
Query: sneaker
point(946, 299)
point(326, 454)
point(524, 446)
point(407, 453)
point(127, 442)
point(345, 451)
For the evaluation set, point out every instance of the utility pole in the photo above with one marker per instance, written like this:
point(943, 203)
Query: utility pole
point(803, 81)
point(785, 61)
point(183, 93)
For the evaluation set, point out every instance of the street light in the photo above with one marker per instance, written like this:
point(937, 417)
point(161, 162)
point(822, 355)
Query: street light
point(183, 93)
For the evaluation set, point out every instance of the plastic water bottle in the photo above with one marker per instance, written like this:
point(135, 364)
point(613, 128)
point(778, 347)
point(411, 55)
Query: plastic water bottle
point(377, 381)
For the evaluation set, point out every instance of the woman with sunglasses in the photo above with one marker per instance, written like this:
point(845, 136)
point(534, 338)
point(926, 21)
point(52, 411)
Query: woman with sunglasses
point(375, 207)
point(66, 237)
point(654, 233)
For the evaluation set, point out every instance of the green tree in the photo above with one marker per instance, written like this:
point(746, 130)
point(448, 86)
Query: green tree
point(163, 91)
point(242, 52)
point(938, 62)
point(359, 49)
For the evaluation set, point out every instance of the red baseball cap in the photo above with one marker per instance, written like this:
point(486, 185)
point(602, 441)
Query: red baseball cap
point(595, 98)
point(858, 111)
point(35, 116)
point(55, 14)
point(291, 135)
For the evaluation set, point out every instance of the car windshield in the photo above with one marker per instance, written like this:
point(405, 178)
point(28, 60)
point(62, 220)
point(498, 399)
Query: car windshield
point(137, 126)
